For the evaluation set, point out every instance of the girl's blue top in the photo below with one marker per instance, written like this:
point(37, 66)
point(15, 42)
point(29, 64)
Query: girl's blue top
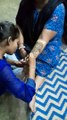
point(9, 82)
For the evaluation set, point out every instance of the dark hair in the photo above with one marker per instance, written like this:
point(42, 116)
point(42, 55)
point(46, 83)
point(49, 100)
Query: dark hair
point(24, 18)
point(8, 29)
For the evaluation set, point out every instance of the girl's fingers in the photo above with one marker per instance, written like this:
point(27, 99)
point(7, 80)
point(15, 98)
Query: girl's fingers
point(23, 61)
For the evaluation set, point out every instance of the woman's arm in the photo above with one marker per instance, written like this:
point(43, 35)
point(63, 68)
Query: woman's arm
point(53, 26)
point(42, 41)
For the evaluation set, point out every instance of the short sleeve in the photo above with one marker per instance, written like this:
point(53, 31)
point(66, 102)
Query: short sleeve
point(17, 87)
point(56, 22)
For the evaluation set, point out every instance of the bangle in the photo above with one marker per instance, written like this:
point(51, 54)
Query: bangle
point(21, 47)
point(41, 41)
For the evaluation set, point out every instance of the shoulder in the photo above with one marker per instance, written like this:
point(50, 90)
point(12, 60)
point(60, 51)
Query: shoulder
point(58, 14)
point(3, 63)
point(59, 9)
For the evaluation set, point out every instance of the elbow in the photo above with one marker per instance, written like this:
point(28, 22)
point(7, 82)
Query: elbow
point(31, 93)
point(25, 95)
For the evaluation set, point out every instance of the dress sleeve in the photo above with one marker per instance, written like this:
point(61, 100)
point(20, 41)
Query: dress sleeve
point(56, 22)
point(15, 86)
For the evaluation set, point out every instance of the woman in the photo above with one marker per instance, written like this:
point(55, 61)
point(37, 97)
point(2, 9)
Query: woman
point(42, 24)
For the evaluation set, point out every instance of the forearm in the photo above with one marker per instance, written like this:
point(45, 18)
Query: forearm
point(32, 72)
point(32, 66)
point(39, 46)
point(12, 62)
point(42, 41)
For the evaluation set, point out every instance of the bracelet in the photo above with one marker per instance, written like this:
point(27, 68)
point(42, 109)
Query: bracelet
point(43, 42)
point(21, 47)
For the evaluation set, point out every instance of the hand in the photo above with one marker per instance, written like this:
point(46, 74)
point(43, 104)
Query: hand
point(23, 52)
point(24, 61)
point(18, 64)
point(30, 60)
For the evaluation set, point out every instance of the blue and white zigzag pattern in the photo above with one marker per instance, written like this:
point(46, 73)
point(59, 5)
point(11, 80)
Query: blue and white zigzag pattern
point(51, 98)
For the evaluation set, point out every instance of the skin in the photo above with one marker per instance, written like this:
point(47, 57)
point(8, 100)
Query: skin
point(42, 41)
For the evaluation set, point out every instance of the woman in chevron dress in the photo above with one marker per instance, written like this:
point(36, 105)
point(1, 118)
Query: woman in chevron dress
point(42, 24)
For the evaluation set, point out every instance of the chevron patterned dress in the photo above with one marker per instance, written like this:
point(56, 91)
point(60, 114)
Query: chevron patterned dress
point(51, 98)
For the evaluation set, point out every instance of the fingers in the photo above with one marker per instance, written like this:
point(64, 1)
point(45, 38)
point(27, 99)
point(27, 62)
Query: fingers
point(25, 60)
point(29, 59)
point(33, 109)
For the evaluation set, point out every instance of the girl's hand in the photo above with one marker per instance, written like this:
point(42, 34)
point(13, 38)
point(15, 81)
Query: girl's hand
point(18, 64)
point(24, 61)
point(15, 63)
point(29, 60)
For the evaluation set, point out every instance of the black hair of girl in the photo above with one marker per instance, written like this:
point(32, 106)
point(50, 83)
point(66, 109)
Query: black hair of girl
point(24, 19)
point(8, 29)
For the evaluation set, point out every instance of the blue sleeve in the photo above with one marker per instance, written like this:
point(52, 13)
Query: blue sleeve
point(56, 22)
point(18, 88)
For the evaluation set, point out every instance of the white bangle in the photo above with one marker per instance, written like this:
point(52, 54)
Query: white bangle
point(41, 41)
point(21, 47)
